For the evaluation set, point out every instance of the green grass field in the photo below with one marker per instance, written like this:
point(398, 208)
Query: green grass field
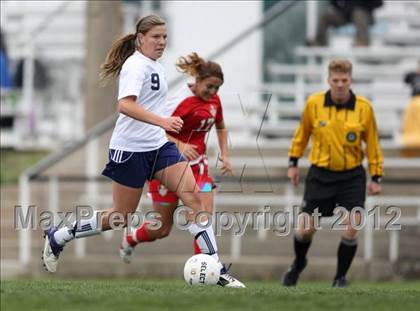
point(123, 295)
point(13, 163)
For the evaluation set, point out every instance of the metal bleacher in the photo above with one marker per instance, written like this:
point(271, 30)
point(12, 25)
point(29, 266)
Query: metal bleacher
point(51, 35)
point(378, 74)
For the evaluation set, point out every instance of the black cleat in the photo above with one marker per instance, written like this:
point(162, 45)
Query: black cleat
point(340, 282)
point(292, 275)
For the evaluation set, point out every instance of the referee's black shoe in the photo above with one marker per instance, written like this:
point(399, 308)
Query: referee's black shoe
point(340, 282)
point(292, 275)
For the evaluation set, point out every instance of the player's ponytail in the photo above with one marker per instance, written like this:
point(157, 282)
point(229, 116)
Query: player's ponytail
point(119, 52)
point(125, 46)
point(195, 66)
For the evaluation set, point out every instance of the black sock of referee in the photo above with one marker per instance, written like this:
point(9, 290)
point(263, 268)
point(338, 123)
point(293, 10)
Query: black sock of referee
point(346, 251)
point(301, 246)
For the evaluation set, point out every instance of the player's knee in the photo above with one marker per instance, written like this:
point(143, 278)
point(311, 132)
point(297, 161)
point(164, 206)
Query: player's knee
point(164, 232)
point(192, 200)
point(306, 233)
point(305, 229)
point(350, 234)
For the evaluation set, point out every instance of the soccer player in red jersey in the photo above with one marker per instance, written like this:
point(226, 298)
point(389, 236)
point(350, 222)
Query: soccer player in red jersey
point(199, 106)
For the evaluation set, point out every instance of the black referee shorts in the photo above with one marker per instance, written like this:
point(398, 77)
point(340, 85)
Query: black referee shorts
point(325, 190)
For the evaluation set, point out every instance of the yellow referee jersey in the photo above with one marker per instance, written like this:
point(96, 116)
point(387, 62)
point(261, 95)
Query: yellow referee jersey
point(337, 133)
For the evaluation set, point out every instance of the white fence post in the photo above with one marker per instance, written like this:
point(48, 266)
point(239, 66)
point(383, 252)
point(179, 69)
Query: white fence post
point(289, 196)
point(91, 189)
point(28, 87)
point(24, 234)
point(92, 169)
point(262, 230)
point(394, 239)
point(311, 19)
point(53, 197)
point(236, 244)
point(300, 90)
point(368, 251)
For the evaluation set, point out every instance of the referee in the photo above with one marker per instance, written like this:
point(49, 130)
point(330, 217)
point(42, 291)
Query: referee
point(338, 121)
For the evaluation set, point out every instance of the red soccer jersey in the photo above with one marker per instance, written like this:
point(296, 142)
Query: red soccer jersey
point(198, 116)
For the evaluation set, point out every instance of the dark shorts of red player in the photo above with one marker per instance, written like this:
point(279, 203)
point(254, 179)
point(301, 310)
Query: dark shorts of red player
point(160, 194)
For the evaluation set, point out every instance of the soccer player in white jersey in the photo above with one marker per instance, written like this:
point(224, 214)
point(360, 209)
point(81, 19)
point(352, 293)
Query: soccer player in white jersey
point(139, 149)
point(200, 108)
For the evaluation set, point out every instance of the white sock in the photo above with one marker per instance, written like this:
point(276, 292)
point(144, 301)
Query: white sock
point(124, 242)
point(206, 240)
point(216, 257)
point(127, 232)
point(63, 235)
point(86, 227)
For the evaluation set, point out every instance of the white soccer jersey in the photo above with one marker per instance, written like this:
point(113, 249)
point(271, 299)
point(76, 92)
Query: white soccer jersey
point(145, 78)
point(179, 96)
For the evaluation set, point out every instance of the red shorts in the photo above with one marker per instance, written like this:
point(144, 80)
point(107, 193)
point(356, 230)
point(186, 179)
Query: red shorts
point(200, 169)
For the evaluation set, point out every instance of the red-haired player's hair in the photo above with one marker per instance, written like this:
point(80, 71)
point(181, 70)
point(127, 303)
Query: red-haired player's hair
point(199, 68)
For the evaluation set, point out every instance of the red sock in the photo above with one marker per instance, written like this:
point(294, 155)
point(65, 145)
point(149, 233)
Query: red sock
point(140, 234)
point(197, 249)
point(130, 241)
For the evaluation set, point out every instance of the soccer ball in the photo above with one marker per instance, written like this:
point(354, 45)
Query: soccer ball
point(201, 269)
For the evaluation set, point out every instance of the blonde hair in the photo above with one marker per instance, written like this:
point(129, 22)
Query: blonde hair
point(122, 48)
point(340, 65)
point(199, 68)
